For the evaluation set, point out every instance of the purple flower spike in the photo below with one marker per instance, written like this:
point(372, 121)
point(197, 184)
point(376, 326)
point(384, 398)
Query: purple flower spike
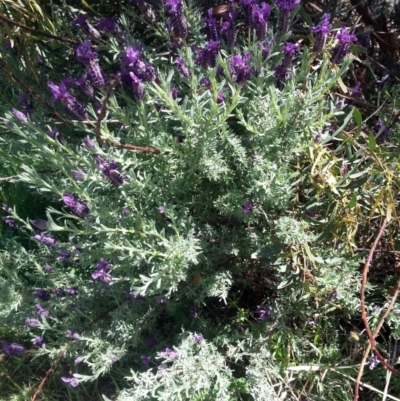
point(78, 360)
point(32, 323)
point(286, 7)
point(322, 31)
point(43, 295)
point(40, 224)
point(177, 18)
point(41, 311)
point(221, 97)
point(169, 354)
point(74, 336)
point(289, 49)
point(80, 21)
point(240, 71)
point(137, 86)
point(63, 255)
point(69, 102)
point(161, 209)
point(6, 208)
point(89, 58)
point(247, 207)
point(101, 272)
point(343, 47)
point(78, 175)
point(88, 142)
point(211, 26)
point(55, 135)
point(264, 312)
point(174, 93)
point(260, 15)
point(13, 349)
point(10, 222)
point(146, 10)
point(71, 381)
point(208, 56)
point(82, 83)
point(78, 208)
point(373, 362)
point(48, 268)
point(19, 115)
point(84, 52)
point(198, 338)
point(182, 68)
point(125, 212)
point(110, 171)
point(248, 11)
point(46, 239)
point(228, 29)
point(39, 341)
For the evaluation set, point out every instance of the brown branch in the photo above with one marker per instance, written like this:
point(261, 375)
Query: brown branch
point(101, 117)
point(371, 337)
point(32, 92)
point(41, 33)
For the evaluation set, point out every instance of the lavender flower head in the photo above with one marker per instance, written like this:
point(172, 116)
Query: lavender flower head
point(85, 55)
point(383, 131)
point(322, 31)
point(73, 335)
point(10, 222)
point(46, 239)
point(132, 61)
point(32, 322)
point(373, 362)
point(101, 272)
point(39, 341)
point(211, 26)
point(43, 295)
point(40, 224)
point(228, 29)
point(264, 312)
point(169, 354)
point(198, 338)
point(42, 311)
point(146, 10)
point(260, 15)
point(88, 142)
point(19, 115)
point(286, 7)
point(239, 69)
point(247, 207)
point(182, 68)
point(208, 56)
point(72, 381)
point(78, 175)
point(248, 11)
point(178, 21)
point(110, 171)
point(69, 102)
point(81, 21)
point(13, 349)
point(343, 47)
point(78, 208)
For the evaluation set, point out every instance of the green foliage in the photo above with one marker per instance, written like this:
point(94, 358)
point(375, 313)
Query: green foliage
point(244, 220)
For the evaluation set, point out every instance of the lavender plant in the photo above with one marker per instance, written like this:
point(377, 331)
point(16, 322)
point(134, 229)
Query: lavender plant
point(172, 185)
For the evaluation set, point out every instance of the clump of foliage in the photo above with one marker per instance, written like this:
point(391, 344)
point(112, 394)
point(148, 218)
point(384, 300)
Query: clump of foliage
point(200, 201)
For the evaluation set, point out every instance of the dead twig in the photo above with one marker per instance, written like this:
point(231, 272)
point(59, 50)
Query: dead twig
point(101, 117)
point(36, 31)
point(371, 337)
